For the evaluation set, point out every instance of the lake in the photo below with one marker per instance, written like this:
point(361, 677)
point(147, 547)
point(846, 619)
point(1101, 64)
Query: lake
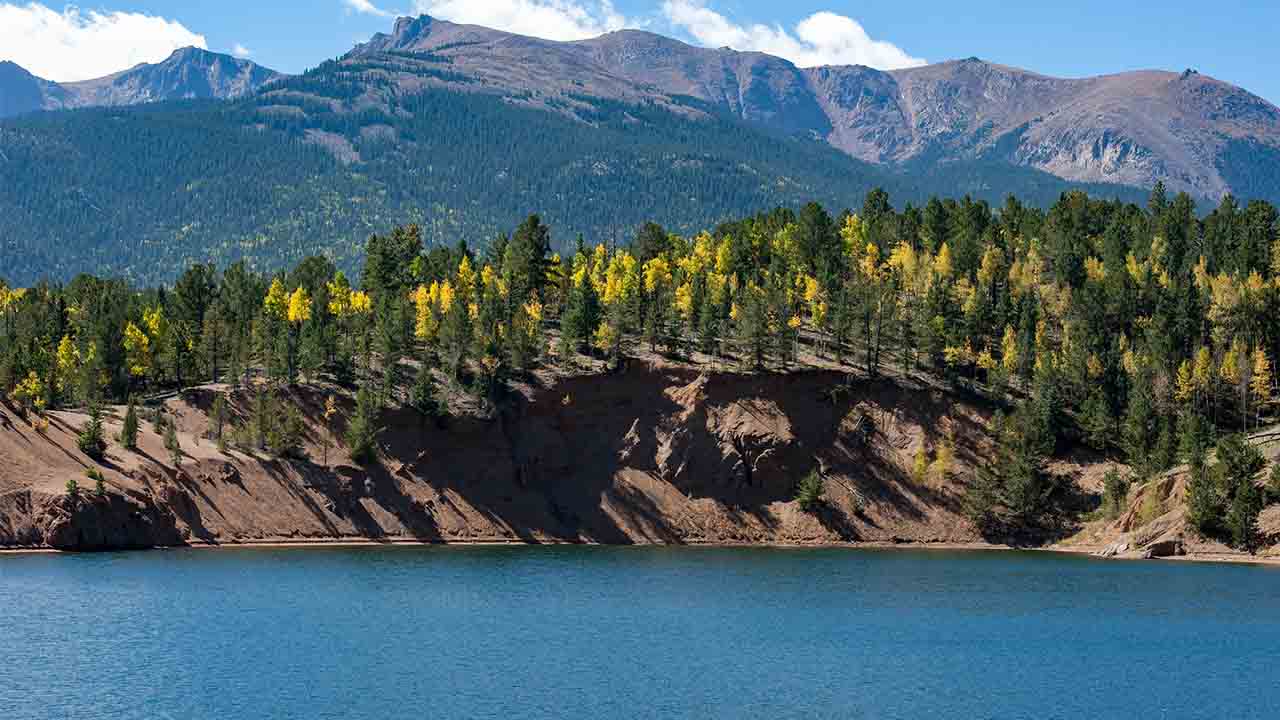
point(594, 632)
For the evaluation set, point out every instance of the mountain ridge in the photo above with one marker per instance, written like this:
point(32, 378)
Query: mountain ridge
point(188, 73)
point(1131, 128)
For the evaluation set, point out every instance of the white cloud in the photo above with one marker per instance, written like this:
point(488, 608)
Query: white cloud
point(823, 38)
point(80, 44)
point(365, 7)
point(549, 19)
point(241, 51)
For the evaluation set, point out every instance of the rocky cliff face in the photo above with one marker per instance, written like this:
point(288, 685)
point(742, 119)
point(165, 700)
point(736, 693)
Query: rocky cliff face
point(189, 73)
point(1132, 128)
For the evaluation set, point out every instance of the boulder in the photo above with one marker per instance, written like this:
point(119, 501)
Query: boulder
point(1165, 548)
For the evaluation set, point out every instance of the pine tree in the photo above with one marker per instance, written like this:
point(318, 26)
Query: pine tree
point(217, 418)
point(172, 444)
point(810, 491)
point(129, 429)
point(1204, 501)
point(90, 440)
point(423, 396)
point(362, 430)
point(1242, 517)
point(1096, 421)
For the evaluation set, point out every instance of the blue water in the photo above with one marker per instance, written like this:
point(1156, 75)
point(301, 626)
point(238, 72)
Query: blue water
point(574, 632)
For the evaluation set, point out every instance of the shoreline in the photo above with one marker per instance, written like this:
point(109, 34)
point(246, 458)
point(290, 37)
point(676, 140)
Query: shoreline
point(340, 543)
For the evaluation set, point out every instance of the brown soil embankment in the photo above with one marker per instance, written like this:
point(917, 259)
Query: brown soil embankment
point(647, 455)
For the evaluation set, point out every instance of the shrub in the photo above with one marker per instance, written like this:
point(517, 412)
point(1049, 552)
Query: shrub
point(99, 482)
point(920, 467)
point(73, 488)
point(810, 491)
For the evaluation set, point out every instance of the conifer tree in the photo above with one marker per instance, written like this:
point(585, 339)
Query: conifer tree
point(129, 429)
point(362, 430)
point(90, 440)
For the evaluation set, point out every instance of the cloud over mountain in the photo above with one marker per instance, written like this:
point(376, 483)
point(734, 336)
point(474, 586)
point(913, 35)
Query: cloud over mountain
point(823, 38)
point(80, 44)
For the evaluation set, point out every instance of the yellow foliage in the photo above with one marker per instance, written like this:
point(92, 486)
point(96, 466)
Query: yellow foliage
point(1260, 383)
point(445, 295)
point(684, 301)
point(724, 257)
point(1184, 384)
point(155, 322)
point(1093, 367)
point(1229, 370)
point(606, 337)
point(1136, 270)
point(920, 466)
point(339, 295)
point(68, 359)
point(657, 274)
point(854, 234)
point(942, 266)
point(986, 360)
point(622, 279)
point(869, 265)
point(29, 391)
point(795, 322)
point(424, 327)
point(299, 306)
point(465, 286)
point(905, 261)
point(716, 286)
point(1094, 269)
point(1009, 350)
point(1255, 282)
point(943, 458)
point(958, 354)
point(361, 303)
point(990, 266)
point(533, 310)
point(1201, 272)
point(276, 303)
point(1202, 371)
point(137, 349)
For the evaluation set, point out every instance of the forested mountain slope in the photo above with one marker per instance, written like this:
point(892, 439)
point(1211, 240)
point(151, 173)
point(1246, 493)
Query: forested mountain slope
point(316, 163)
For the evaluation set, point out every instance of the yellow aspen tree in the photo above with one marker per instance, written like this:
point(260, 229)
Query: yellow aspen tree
point(137, 351)
point(276, 304)
point(299, 306)
point(1260, 383)
point(68, 361)
point(1009, 356)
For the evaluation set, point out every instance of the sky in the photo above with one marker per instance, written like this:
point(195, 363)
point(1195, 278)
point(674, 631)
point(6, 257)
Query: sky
point(1232, 40)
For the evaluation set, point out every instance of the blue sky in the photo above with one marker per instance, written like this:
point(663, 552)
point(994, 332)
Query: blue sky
point(1230, 39)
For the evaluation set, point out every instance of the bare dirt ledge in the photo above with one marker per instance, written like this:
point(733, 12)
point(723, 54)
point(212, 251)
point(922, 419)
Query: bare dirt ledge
point(648, 455)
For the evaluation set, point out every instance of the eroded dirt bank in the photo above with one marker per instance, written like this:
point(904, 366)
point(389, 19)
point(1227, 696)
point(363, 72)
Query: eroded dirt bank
point(642, 456)
point(646, 455)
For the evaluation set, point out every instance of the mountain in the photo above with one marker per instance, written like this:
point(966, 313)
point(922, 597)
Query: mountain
point(21, 92)
point(188, 73)
point(1192, 132)
point(465, 130)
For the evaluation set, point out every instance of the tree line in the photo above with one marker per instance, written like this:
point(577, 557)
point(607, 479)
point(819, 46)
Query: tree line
point(1145, 331)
